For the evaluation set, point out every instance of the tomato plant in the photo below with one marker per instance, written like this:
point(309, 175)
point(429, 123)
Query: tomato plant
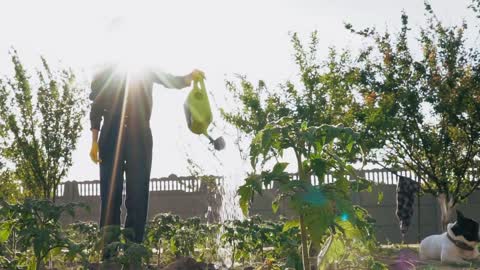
point(315, 123)
point(122, 250)
point(87, 235)
point(159, 232)
point(175, 237)
point(257, 240)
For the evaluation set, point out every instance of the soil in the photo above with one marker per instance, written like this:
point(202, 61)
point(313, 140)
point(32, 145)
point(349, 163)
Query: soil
point(188, 264)
point(180, 264)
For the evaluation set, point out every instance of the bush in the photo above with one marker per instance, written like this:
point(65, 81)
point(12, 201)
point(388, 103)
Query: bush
point(30, 232)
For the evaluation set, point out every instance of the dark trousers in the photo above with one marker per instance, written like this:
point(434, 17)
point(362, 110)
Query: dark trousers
point(126, 150)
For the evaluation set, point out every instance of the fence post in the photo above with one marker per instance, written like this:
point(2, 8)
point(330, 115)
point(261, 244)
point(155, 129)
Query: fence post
point(356, 198)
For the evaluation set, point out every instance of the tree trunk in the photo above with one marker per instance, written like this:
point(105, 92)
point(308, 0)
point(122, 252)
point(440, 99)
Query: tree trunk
point(447, 210)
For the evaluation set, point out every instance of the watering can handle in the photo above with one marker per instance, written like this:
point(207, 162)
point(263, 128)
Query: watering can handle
point(196, 83)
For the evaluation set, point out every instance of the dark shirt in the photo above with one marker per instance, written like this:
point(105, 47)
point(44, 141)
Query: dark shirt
point(111, 97)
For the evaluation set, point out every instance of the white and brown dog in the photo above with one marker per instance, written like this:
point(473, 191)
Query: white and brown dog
point(457, 245)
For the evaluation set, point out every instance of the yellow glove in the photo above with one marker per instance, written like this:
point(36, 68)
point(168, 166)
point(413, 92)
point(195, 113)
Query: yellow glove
point(198, 74)
point(195, 75)
point(94, 153)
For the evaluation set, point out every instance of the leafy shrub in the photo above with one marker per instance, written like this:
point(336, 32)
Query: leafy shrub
point(30, 232)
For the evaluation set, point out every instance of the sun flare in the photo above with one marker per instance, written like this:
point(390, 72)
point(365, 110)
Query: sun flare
point(127, 44)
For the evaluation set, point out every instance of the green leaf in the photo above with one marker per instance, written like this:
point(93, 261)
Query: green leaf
point(348, 229)
point(317, 223)
point(279, 168)
point(380, 197)
point(342, 185)
point(276, 204)
point(304, 126)
point(319, 167)
point(335, 250)
point(32, 264)
point(277, 174)
point(246, 195)
point(350, 144)
point(55, 251)
point(5, 230)
point(173, 245)
point(294, 223)
point(254, 153)
point(266, 139)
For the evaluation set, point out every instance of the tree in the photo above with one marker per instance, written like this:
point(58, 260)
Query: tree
point(308, 120)
point(40, 126)
point(475, 6)
point(9, 188)
point(422, 110)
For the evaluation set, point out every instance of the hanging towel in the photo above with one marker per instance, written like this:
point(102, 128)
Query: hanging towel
point(406, 190)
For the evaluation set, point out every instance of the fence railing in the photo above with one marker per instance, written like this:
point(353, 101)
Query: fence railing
point(171, 183)
point(192, 184)
point(377, 176)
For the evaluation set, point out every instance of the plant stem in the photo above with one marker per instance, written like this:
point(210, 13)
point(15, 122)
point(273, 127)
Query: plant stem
point(305, 255)
point(14, 243)
point(159, 248)
point(39, 262)
point(303, 229)
point(233, 256)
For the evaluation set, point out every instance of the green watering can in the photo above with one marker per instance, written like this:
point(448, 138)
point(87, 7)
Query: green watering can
point(199, 114)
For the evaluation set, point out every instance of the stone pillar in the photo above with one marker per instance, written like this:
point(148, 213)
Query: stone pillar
point(70, 192)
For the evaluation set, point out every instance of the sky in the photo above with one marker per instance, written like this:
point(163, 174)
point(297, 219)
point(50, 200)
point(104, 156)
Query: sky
point(220, 37)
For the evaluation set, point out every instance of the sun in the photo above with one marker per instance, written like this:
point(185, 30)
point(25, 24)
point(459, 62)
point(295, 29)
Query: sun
point(126, 42)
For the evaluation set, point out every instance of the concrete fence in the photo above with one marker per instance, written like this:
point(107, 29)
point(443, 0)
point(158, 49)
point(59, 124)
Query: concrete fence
point(187, 197)
point(184, 196)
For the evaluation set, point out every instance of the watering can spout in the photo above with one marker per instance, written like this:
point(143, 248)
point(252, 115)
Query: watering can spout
point(218, 144)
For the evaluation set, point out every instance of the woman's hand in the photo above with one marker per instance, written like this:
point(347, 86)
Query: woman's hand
point(94, 153)
point(196, 74)
point(94, 149)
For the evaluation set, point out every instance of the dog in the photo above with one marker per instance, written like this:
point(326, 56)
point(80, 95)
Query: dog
point(457, 245)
